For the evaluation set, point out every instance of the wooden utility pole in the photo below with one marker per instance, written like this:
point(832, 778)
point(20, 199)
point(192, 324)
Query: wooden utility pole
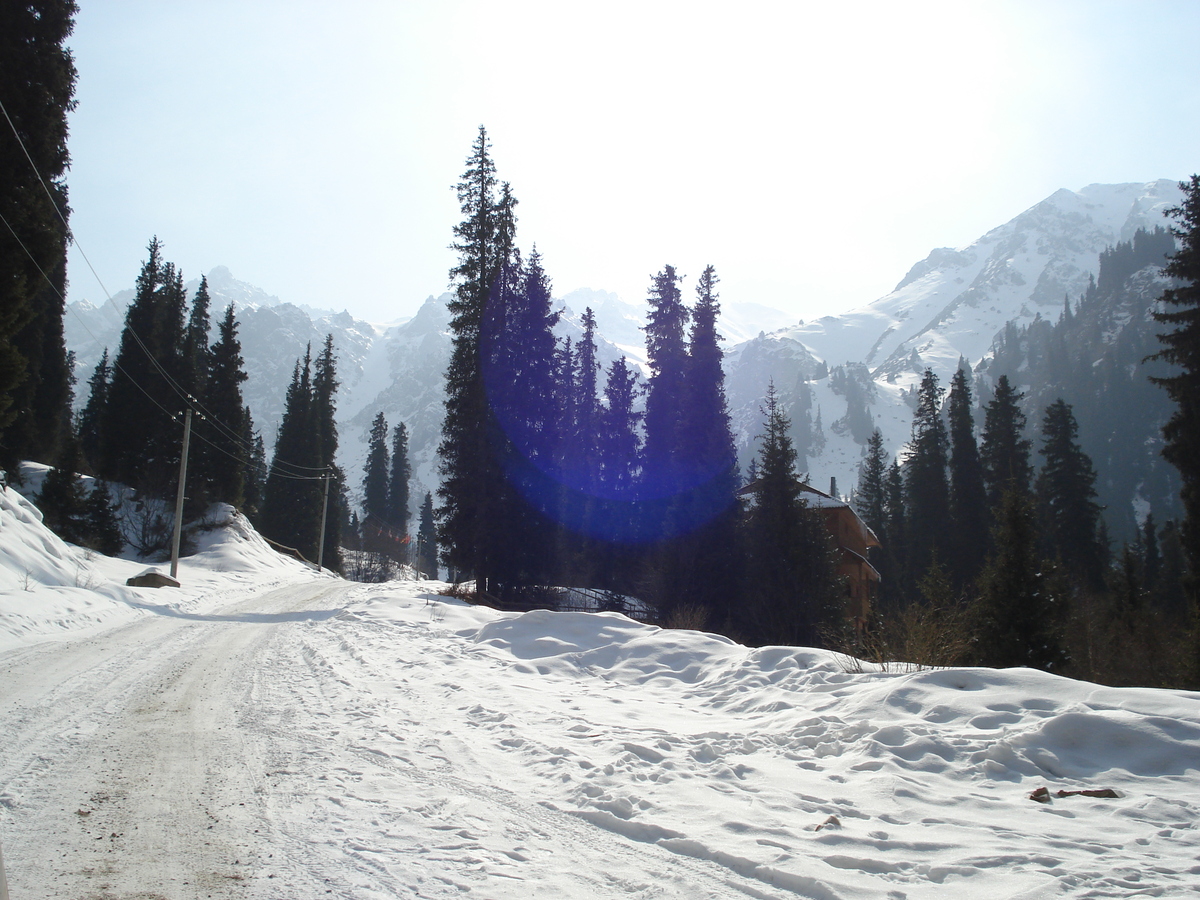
point(187, 436)
point(324, 510)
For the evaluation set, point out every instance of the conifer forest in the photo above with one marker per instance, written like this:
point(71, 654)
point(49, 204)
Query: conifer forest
point(999, 534)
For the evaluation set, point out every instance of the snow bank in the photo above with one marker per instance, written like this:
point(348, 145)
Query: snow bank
point(50, 589)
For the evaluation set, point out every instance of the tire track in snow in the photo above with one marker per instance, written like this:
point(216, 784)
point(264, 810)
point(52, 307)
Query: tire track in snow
point(124, 748)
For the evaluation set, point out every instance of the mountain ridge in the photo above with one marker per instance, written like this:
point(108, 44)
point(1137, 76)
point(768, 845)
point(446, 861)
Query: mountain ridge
point(948, 307)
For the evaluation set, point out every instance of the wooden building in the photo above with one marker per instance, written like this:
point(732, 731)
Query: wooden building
point(853, 540)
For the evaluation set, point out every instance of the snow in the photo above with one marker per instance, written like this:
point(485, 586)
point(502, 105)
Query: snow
point(959, 300)
point(266, 731)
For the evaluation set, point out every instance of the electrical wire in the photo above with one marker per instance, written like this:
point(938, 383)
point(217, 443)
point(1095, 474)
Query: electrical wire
point(272, 467)
point(276, 466)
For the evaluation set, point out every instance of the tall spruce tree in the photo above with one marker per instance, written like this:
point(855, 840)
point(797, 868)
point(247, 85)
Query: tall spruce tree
point(102, 523)
point(256, 468)
point(620, 441)
point(471, 481)
point(707, 439)
point(585, 430)
point(196, 353)
point(870, 497)
point(791, 589)
point(896, 587)
point(324, 409)
point(1066, 493)
point(519, 363)
point(1151, 555)
point(708, 563)
point(968, 497)
point(427, 554)
point(1004, 450)
point(397, 502)
point(91, 419)
point(926, 491)
point(668, 361)
point(1181, 312)
point(1021, 608)
point(148, 376)
point(37, 84)
point(616, 555)
point(375, 475)
point(292, 494)
point(220, 455)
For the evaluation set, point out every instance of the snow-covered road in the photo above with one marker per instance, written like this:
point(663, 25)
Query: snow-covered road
point(322, 739)
point(124, 750)
point(262, 751)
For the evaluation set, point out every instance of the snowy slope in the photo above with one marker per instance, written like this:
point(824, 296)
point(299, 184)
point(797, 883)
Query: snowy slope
point(950, 305)
point(267, 732)
point(954, 302)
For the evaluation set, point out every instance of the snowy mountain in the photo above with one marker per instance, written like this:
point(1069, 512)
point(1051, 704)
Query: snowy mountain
point(952, 304)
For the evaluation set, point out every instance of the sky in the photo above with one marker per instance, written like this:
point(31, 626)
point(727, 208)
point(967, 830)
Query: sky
point(811, 152)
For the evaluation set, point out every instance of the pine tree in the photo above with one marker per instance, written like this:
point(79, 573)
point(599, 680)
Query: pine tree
point(1151, 556)
point(63, 500)
point(707, 440)
point(585, 428)
point(871, 502)
point(1182, 349)
point(397, 503)
point(1171, 591)
point(91, 419)
point(926, 491)
point(470, 477)
point(256, 469)
point(567, 401)
point(375, 474)
point(324, 409)
point(620, 443)
point(1021, 610)
point(707, 560)
point(870, 498)
point(791, 589)
point(519, 365)
point(292, 494)
point(1004, 450)
point(427, 540)
point(102, 525)
point(896, 587)
point(37, 84)
point(968, 497)
point(1066, 492)
point(196, 354)
point(668, 360)
point(219, 456)
point(147, 376)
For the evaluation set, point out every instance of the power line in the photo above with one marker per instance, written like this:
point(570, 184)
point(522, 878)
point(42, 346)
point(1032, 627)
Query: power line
point(173, 416)
point(183, 394)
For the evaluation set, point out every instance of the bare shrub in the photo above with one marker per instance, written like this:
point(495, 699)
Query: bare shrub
point(367, 566)
point(687, 616)
point(460, 590)
point(936, 633)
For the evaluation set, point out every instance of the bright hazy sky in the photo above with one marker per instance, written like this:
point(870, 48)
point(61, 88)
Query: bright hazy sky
point(812, 152)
